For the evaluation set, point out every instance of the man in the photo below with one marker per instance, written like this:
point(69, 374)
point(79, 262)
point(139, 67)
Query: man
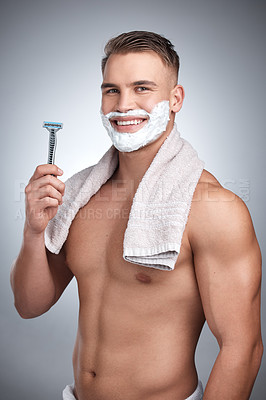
point(139, 327)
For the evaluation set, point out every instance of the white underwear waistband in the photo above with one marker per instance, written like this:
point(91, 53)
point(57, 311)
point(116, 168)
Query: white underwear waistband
point(68, 393)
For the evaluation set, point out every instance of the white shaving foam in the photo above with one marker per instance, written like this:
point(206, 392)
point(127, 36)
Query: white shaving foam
point(131, 141)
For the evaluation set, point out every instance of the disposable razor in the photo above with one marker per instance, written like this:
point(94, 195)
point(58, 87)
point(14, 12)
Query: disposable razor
point(52, 127)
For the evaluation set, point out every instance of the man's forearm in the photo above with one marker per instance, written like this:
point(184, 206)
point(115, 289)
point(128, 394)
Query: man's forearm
point(31, 278)
point(234, 372)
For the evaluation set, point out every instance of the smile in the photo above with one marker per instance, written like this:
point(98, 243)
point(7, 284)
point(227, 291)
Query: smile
point(128, 124)
point(131, 122)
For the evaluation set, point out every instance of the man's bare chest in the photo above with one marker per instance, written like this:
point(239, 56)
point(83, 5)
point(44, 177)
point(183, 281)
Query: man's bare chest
point(95, 244)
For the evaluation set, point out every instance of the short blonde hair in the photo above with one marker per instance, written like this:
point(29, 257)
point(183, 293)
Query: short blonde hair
point(138, 41)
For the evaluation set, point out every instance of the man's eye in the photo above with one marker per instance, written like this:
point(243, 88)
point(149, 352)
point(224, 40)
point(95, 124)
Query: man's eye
point(142, 89)
point(112, 91)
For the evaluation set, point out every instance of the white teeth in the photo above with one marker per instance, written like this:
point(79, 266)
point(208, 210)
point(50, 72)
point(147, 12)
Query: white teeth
point(133, 122)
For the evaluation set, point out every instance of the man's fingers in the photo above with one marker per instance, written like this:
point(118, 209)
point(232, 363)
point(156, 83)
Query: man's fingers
point(47, 191)
point(43, 196)
point(47, 180)
point(48, 202)
point(46, 169)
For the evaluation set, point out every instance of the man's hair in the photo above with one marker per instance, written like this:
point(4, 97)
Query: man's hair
point(140, 41)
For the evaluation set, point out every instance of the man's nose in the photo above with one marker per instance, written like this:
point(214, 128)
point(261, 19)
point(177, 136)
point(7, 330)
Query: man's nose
point(125, 102)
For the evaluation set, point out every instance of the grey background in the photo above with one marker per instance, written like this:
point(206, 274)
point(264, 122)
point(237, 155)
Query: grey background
point(50, 70)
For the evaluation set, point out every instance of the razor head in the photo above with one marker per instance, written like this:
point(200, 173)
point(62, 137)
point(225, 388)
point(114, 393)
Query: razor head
point(52, 126)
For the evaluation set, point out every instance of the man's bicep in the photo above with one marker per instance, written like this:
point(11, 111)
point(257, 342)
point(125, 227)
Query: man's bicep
point(228, 268)
point(62, 275)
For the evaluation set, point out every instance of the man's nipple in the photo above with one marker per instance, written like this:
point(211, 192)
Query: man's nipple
point(140, 276)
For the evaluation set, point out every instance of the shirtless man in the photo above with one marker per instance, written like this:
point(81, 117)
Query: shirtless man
point(139, 327)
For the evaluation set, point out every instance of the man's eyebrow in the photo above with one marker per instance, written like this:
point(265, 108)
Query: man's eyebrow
point(137, 83)
point(145, 82)
point(108, 85)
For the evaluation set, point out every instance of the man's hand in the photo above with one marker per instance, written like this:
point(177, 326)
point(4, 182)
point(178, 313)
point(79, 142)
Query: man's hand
point(44, 194)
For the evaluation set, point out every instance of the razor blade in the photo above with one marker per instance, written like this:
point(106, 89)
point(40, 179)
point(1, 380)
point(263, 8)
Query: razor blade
point(52, 127)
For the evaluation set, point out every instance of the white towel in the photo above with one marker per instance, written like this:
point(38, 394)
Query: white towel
point(160, 207)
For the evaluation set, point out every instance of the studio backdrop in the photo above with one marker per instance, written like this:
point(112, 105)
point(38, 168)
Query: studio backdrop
point(50, 70)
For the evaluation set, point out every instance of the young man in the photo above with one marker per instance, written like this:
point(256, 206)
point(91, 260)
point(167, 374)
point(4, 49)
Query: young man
point(138, 326)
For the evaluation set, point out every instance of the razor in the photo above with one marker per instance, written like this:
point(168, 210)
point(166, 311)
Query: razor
point(52, 127)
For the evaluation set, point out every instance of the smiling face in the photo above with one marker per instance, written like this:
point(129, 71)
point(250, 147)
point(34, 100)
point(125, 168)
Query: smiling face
point(135, 81)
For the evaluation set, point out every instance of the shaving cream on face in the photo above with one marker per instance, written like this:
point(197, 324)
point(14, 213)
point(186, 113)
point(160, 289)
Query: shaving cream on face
point(127, 141)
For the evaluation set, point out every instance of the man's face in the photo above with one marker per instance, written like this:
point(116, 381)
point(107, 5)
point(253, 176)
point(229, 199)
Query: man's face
point(134, 81)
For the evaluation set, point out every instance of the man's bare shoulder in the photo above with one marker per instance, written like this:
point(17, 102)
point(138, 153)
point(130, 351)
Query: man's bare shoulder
point(210, 194)
point(216, 211)
point(209, 190)
point(207, 182)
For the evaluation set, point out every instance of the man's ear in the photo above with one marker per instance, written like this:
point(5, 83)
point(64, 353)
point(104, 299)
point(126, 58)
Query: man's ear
point(177, 96)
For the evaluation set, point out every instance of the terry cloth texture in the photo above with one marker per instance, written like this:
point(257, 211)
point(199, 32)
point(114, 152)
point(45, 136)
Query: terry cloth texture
point(197, 395)
point(160, 207)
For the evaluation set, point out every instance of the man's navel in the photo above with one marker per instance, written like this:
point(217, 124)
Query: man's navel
point(140, 276)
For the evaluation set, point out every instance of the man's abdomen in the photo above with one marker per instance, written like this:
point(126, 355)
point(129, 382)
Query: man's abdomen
point(136, 342)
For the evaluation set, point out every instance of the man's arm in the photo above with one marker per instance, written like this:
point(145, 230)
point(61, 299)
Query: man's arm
point(227, 262)
point(38, 277)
